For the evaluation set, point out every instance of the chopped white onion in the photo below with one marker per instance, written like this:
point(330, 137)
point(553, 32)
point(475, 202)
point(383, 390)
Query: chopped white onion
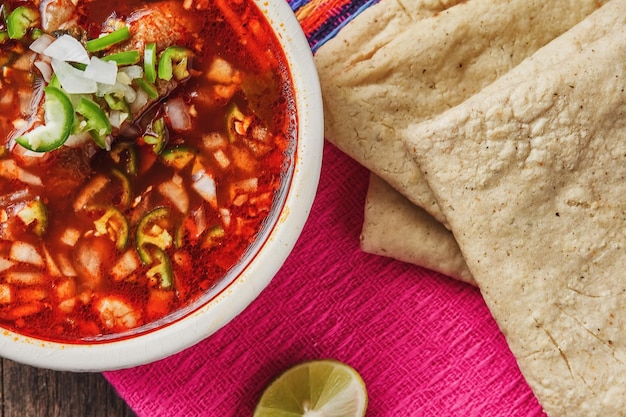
point(176, 194)
point(199, 216)
point(41, 43)
point(70, 236)
point(214, 140)
point(132, 71)
point(118, 89)
point(26, 253)
point(6, 292)
point(178, 114)
point(103, 89)
point(5, 264)
point(68, 49)
point(66, 266)
point(221, 158)
point(117, 117)
point(89, 261)
point(225, 215)
point(222, 72)
point(123, 78)
point(115, 312)
point(141, 99)
point(14, 196)
point(52, 267)
point(10, 170)
point(130, 94)
point(77, 140)
point(25, 278)
point(245, 186)
point(204, 185)
point(126, 265)
point(32, 105)
point(73, 80)
point(32, 154)
point(45, 69)
point(93, 187)
point(103, 72)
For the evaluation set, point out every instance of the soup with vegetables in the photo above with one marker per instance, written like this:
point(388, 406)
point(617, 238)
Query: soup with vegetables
point(144, 144)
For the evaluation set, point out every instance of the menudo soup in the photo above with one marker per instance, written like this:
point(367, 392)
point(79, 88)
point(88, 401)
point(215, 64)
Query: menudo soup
point(144, 143)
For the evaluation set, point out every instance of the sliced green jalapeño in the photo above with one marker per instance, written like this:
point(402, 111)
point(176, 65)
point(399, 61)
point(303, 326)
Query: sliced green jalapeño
point(123, 58)
point(157, 135)
point(59, 119)
point(96, 121)
point(106, 41)
point(173, 63)
point(113, 224)
point(152, 230)
point(149, 62)
point(160, 270)
point(20, 20)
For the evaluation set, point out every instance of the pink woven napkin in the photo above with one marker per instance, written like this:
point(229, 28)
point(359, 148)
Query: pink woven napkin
point(425, 344)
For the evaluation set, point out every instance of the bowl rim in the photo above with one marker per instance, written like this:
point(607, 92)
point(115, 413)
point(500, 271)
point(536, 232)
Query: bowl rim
point(244, 289)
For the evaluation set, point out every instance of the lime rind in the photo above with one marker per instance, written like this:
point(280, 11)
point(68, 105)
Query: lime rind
point(323, 388)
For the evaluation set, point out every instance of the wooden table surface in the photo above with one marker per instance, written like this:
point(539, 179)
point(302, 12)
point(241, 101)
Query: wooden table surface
point(34, 392)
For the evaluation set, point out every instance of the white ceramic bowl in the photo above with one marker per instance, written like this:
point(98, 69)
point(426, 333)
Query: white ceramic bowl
point(243, 284)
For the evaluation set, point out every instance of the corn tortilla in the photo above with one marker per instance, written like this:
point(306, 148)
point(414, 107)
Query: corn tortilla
point(531, 175)
point(394, 227)
point(403, 61)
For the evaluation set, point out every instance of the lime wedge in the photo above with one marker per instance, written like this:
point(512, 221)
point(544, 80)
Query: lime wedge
point(323, 388)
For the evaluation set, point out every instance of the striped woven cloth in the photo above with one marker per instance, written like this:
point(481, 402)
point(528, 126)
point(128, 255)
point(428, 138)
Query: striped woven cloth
point(322, 19)
point(425, 345)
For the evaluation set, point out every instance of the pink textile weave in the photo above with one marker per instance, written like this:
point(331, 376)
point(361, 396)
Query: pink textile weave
point(426, 345)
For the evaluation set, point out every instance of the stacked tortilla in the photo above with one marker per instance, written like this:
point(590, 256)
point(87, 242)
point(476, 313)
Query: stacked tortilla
point(504, 123)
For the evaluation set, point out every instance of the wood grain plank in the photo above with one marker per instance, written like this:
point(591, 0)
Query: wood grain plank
point(34, 392)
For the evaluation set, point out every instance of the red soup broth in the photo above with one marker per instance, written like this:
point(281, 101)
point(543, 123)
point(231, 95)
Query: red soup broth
point(118, 228)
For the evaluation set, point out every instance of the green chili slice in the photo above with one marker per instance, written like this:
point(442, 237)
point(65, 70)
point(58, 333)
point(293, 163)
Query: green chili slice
point(59, 118)
point(123, 58)
point(20, 20)
point(36, 33)
point(161, 269)
point(126, 195)
point(234, 116)
point(152, 231)
point(97, 122)
point(157, 135)
point(125, 152)
point(179, 156)
point(117, 103)
point(149, 62)
point(148, 87)
point(114, 225)
point(35, 213)
point(54, 82)
point(213, 236)
point(106, 41)
point(173, 63)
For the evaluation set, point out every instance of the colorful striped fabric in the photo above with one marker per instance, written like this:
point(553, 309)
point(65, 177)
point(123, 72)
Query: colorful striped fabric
point(322, 19)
